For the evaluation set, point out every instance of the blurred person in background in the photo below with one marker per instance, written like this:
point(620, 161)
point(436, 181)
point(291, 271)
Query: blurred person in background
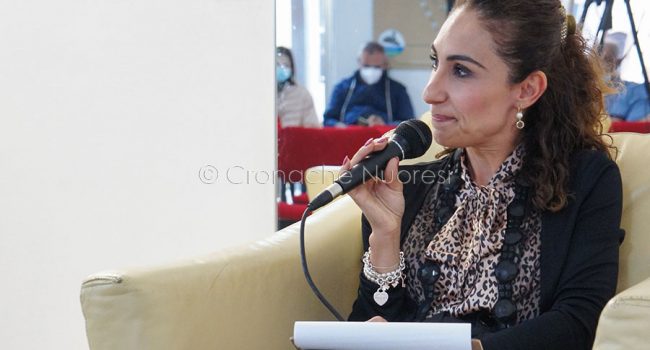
point(369, 97)
point(295, 105)
point(631, 102)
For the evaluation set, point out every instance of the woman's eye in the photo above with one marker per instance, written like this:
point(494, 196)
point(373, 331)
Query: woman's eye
point(461, 71)
point(434, 61)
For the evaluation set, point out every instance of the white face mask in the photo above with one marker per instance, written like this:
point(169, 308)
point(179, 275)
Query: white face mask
point(370, 75)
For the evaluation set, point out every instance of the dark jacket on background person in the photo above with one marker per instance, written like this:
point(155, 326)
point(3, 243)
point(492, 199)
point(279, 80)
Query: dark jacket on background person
point(579, 260)
point(365, 100)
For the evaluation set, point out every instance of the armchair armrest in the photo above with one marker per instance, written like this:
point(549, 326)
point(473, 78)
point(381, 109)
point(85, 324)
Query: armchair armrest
point(243, 298)
point(624, 321)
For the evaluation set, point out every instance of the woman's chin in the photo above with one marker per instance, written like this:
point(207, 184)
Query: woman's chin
point(444, 139)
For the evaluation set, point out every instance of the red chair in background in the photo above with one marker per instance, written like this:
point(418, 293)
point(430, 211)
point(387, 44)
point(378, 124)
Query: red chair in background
point(302, 148)
point(640, 127)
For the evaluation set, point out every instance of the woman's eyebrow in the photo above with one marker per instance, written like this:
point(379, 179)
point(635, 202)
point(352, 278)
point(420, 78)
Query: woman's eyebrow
point(460, 58)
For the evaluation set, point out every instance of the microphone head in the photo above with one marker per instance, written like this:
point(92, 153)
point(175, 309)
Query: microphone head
point(417, 135)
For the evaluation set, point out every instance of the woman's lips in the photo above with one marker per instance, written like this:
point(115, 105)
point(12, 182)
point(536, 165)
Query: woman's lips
point(442, 118)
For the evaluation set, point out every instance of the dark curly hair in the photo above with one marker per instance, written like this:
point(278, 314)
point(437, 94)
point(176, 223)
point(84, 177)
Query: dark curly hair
point(567, 118)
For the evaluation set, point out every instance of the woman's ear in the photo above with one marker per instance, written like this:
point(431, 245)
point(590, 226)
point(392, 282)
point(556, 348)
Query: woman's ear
point(531, 89)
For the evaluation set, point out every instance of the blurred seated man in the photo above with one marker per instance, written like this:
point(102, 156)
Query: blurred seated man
point(631, 103)
point(369, 97)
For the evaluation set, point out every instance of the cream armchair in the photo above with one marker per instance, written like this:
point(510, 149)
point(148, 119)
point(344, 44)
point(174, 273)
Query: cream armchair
point(249, 297)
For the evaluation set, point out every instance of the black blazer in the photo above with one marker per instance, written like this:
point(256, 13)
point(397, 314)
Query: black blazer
point(578, 262)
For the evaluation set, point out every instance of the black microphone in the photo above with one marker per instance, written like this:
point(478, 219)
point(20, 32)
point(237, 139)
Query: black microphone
point(410, 140)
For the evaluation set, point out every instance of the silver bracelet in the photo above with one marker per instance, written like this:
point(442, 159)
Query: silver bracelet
point(384, 280)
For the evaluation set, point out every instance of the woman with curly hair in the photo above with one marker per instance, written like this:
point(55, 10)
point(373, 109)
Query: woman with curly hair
point(519, 236)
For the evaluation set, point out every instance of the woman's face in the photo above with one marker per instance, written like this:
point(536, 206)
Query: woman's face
point(282, 60)
point(473, 104)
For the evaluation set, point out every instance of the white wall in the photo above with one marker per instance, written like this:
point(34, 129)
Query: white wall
point(350, 27)
point(108, 109)
point(415, 80)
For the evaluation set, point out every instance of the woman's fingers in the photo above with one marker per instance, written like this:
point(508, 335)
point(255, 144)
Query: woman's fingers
point(345, 166)
point(391, 174)
point(372, 145)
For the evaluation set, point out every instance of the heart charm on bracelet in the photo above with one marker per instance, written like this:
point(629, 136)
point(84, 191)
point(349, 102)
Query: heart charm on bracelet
point(380, 297)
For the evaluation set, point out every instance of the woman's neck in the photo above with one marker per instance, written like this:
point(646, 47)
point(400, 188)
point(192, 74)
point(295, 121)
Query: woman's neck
point(484, 162)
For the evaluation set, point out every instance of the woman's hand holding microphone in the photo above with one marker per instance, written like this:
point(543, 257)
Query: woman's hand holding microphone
point(382, 202)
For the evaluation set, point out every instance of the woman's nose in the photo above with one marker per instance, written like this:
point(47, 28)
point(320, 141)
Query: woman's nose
point(434, 92)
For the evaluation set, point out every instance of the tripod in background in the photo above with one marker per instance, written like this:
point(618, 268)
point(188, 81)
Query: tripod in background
point(606, 24)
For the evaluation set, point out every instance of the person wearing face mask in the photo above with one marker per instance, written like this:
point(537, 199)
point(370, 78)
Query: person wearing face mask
point(369, 97)
point(631, 102)
point(295, 105)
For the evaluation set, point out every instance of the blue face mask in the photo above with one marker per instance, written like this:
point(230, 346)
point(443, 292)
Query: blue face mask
point(282, 73)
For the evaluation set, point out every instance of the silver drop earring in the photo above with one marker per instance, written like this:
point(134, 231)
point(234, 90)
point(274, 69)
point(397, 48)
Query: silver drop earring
point(520, 122)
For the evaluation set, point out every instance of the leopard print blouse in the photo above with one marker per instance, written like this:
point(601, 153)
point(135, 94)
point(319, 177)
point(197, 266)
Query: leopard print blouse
point(467, 247)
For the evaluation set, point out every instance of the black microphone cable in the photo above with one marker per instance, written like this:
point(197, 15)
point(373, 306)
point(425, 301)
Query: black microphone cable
point(305, 270)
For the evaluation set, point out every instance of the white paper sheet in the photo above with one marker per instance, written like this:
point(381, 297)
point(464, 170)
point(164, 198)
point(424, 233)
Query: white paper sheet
point(309, 335)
